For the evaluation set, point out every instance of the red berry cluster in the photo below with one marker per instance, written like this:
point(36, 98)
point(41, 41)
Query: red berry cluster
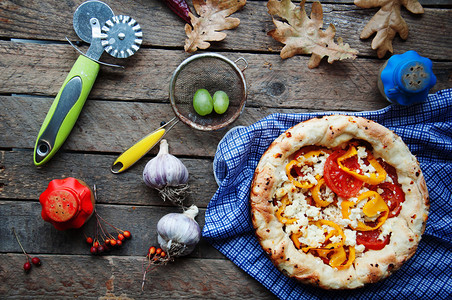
point(103, 240)
point(155, 257)
point(34, 260)
point(107, 242)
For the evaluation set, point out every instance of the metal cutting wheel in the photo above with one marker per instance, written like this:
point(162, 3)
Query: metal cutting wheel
point(121, 36)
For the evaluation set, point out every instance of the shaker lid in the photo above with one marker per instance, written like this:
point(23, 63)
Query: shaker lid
point(407, 78)
point(67, 203)
point(62, 205)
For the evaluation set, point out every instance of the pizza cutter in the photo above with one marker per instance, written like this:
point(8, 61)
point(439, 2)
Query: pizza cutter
point(95, 23)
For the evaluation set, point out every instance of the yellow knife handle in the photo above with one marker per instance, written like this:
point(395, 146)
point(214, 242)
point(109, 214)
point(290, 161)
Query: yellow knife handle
point(137, 151)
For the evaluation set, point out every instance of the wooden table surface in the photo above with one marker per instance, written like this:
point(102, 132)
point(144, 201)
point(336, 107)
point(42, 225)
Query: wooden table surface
point(125, 105)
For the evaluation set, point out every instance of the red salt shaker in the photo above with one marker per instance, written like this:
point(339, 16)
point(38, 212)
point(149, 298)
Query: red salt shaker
point(67, 203)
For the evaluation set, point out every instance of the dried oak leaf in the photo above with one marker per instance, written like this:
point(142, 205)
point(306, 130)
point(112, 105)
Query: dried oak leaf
point(387, 22)
point(213, 17)
point(304, 35)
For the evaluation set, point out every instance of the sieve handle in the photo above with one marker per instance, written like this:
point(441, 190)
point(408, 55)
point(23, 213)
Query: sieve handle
point(143, 146)
point(242, 59)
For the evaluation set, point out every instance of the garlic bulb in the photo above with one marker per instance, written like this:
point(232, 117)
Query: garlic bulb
point(178, 233)
point(167, 174)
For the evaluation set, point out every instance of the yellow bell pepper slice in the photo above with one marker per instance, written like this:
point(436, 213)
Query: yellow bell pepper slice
point(279, 212)
point(345, 208)
point(337, 230)
point(295, 239)
point(372, 208)
point(315, 191)
point(323, 253)
point(351, 258)
point(296, 162)
point(374, 178)
point(376, 205)
point(303, 184)
point(338, 257)
point(337, 260)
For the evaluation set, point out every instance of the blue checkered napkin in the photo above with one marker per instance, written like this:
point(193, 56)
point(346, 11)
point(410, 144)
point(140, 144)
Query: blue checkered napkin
point(426, 129)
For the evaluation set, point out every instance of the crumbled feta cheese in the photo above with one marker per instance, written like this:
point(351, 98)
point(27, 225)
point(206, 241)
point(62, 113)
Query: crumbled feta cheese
point(292, 228)
point(311, 167)
point(302, 220)
point(301, 198)
point(312, 236)
point(359, 249)
point(372, 219)
point(281, 192)
point(362, 190)
point(367, 169)
point(335, 239)
point(319, 165)
point(283, 175)
point(353, 199)
point(285, 188)
point(356, 214)
point(334, 214)
point(290, 210)
point(350, 237)
point(313, 212)
point(327, 194)
point(388, 179)
point(362, 153)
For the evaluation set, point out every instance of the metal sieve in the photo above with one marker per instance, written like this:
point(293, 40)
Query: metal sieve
point(212, 72)
point(209, 71)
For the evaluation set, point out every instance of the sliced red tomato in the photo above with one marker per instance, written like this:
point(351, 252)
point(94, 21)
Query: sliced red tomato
point(340, 182)
point(390, 170)
point(370, 239)
point(392, 194)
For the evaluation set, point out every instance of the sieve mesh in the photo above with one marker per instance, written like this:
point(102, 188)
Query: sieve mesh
point(212, 72)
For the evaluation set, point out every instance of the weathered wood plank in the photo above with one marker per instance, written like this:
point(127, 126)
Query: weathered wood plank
point(119, 277)
point(429, 33)
point(40, 69)
point(39, 236)
point(106, 126)
point(111, 126)
point(103, 126)
point(21, 180)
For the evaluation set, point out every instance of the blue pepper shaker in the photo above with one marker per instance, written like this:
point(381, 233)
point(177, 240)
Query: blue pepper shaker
point(406, 78)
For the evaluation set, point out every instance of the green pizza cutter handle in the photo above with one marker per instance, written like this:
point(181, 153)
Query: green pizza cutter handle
point(65, 109)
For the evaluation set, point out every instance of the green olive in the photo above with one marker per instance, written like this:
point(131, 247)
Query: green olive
point(202, 102)
point(220, 102)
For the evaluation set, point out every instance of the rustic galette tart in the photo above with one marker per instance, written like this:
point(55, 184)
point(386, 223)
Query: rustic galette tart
point(338, 202)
